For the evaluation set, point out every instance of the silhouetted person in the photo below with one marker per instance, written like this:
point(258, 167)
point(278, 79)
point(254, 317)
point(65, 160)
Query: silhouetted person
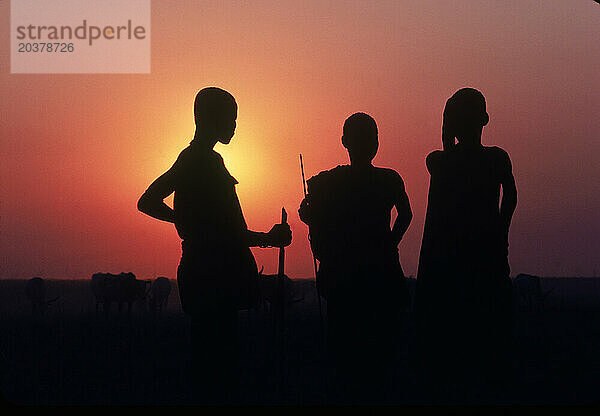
point(464, 297)
point(348, 210)
point(217, 272)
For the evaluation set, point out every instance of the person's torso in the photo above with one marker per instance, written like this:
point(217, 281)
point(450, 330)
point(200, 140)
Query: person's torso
point(466, 188)
point(207, 210)
point(354, 211)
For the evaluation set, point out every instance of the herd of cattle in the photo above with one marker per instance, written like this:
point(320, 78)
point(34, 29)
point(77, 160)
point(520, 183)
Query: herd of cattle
point(125, 289)
point(122, 289)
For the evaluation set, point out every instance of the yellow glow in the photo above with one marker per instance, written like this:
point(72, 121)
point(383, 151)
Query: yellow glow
point(245, 161)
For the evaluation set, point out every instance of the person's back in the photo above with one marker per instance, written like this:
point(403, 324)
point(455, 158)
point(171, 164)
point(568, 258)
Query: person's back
point(348, 210)
point(354, 206)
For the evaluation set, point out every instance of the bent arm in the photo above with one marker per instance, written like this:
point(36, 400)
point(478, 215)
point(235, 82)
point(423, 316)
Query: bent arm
point(404, 216)
point(152, 201)
point(448, 133)
point(509, 202)
point(279, 236)
point(256, 239)
point(509, 195)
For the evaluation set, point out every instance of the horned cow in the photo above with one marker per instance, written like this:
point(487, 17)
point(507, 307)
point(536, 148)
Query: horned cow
point(268, 291)
point(35, 290)
point(121, 289)
point(528, 292)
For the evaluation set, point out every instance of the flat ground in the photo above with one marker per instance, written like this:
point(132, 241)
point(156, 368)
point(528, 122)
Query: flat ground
point(73, 356)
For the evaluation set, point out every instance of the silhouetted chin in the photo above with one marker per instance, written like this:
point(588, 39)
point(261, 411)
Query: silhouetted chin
point(225, 141)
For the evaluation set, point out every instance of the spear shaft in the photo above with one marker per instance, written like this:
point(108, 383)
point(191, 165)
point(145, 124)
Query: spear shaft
point(281, 310)
point(313, 254)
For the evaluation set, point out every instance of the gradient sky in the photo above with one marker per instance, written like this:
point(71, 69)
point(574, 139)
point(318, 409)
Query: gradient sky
point(78, 150)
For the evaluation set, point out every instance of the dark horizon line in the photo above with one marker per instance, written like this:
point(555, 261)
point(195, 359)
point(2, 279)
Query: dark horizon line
point(290, 277)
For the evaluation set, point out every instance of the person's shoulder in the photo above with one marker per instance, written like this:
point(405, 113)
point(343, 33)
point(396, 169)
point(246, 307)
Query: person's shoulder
point(326, 180)
point(433, 159)
point(496, 150)
point(183, 159)
point(435, 156)
point(326, 176)
point(501, 160)
point(389, 174)
point(195, 157)
point(386, 171)
point(498, 153)
point(216, 155)
point(198, 154)
point(337, 171)
point(185, 154)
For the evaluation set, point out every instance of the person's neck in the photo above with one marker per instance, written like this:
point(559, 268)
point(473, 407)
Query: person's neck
point(204, 140)
point(361, 164)
point(471, 140)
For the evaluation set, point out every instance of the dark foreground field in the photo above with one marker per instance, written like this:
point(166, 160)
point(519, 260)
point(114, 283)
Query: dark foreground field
point(73, 356)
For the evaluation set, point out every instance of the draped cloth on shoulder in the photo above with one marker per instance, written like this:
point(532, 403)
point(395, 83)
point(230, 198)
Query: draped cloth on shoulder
point(349, 220)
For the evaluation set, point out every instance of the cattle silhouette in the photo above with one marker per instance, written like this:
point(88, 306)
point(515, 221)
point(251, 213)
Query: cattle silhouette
point(268, 295)
point(528, 292)
point(159, 294)
point(121, 289)
point(35, 290)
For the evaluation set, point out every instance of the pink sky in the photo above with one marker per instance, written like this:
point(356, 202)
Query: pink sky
point(78, 150)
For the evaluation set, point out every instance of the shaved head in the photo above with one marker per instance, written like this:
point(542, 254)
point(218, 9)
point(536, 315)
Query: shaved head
point(213, 103)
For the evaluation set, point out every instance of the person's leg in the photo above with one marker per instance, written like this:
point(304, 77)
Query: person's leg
point(501, 347)
point(215, 355)
point(227, 354)
point(364, 346)
point(385, 350)
point(333, 359)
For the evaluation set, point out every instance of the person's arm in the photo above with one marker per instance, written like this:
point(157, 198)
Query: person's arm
point(280, 235)
point(404, 212)
point(152, 201)
point(257, 239)
point(448, 133)
point(509, 194)
point(309, 216)
point(304, 211)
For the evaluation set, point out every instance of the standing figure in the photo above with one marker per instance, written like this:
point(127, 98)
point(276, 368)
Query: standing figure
point(217, 274)
point(348, 211)
point(464, 296)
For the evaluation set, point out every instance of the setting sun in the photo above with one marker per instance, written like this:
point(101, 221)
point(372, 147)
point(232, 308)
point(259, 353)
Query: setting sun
point(80, 149)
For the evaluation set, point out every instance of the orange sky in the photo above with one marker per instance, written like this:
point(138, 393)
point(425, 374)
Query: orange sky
point(78, 150)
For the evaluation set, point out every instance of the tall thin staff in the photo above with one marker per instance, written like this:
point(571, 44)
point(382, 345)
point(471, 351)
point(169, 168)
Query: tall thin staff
point(280, 319)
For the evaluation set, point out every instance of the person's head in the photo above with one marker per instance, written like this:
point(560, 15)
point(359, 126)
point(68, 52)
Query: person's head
point(360, 138)
point(215, 112)
point(466, 113)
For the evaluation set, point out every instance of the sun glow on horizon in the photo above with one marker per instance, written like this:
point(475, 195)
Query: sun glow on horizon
point(79, 150)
